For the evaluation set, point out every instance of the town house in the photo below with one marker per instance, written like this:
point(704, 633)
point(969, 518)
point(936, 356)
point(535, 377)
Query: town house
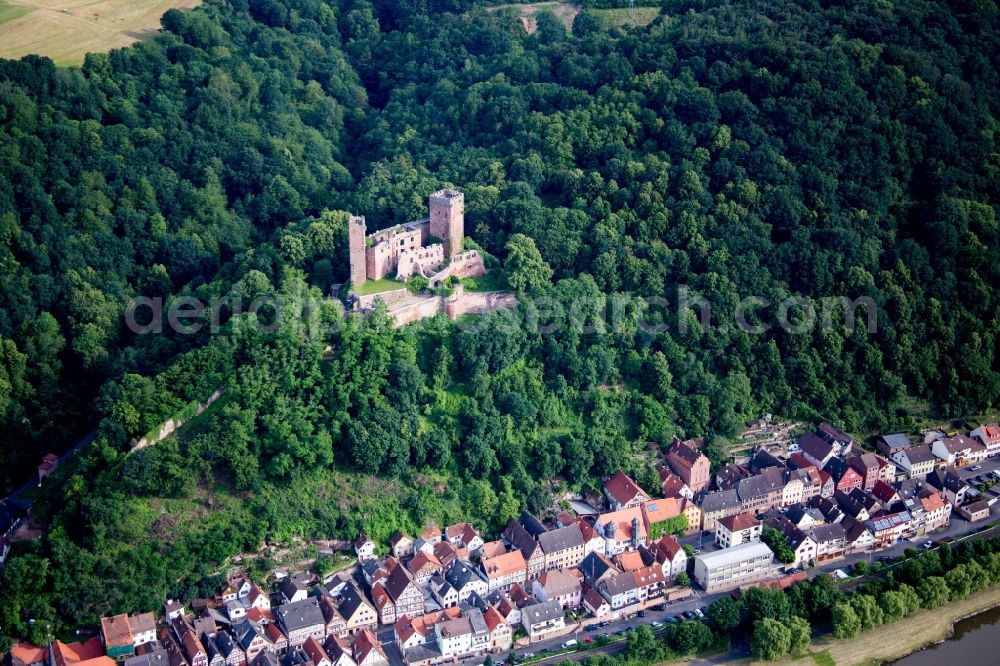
point(830, 541)
point(667, 551)
point(959, 450)
point(718, 504)
point(562, 547)
point(687, 463)
point(867, 465)
point(519, 538)
point(948, 482)
point(358, 614)
point(623, 492)
point(989, 436)
point(622, 530)
point(504, 570)
point(889, 528)
point(542, 619)
point(815, 449)
point(405, 593)
point(561, 585)
point(423, 566)
point(736, 530)
point(916, 461)
point(762, 492)
point(300, 620)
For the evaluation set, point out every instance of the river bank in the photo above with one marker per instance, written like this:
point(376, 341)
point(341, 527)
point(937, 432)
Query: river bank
point(896, 640)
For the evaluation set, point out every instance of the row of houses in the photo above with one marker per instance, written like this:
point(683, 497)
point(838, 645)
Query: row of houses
point(528, 578)
point(830, 498)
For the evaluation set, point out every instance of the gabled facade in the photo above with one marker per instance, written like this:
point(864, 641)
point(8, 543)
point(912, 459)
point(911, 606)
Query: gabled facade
point(542, 619)
point(916, 461)
point(667, 551)
point(690, 465)
point(737, 530)
point(505, 570)
point(989, 436)
point(622, 530)
point(561, 585)
point(623, 492)
point(562, 547)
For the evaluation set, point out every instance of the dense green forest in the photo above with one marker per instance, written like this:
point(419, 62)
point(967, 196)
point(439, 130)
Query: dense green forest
point(758, 148)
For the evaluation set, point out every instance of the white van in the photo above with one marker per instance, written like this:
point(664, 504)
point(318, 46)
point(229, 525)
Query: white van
point(570, 643)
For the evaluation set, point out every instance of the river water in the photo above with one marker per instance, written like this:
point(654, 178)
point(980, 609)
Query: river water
point(976, 641)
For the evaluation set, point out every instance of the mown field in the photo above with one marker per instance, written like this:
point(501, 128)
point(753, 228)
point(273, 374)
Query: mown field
point(66, 30)
point(567, 11)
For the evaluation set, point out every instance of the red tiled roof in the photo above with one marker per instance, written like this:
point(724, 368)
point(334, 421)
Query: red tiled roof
point(669, 545)
point(503, 565)
point(683, 454)
point(26, 653)
point(739, 522)
point(314, 650)
point(630, 560)
point(622, 488)
point(493, 618)
point(364, 644)
point(934, 502)
point(422, 560)
point(492, 549)
point(659, 510)
point(882, 491)
point(116, 630)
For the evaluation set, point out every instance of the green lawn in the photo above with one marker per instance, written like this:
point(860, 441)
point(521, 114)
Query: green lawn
point(378, 286)
point(9, 12)
point(492, 281)
point(616, 18)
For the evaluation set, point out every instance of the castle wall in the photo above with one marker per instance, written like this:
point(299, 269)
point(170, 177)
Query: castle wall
point(388, 297)
point(422, 260)
point(462, 265)
point(382, 258)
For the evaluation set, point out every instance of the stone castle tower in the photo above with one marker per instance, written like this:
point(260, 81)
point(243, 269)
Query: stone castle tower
point(448, 219)
point(357, 247)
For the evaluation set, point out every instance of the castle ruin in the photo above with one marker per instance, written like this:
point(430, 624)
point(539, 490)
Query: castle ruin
point(431, 247)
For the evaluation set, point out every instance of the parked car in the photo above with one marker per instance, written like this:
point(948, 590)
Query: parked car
point(926, 545)
point(642, 613)
point(588, 640)
point(698, 613)
point(976, 468)
point(655, 625)
point(544, 650)
point(528, 655)
point(568, 644)
point(672, 619)
point(689, 614)
point(592, 627)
